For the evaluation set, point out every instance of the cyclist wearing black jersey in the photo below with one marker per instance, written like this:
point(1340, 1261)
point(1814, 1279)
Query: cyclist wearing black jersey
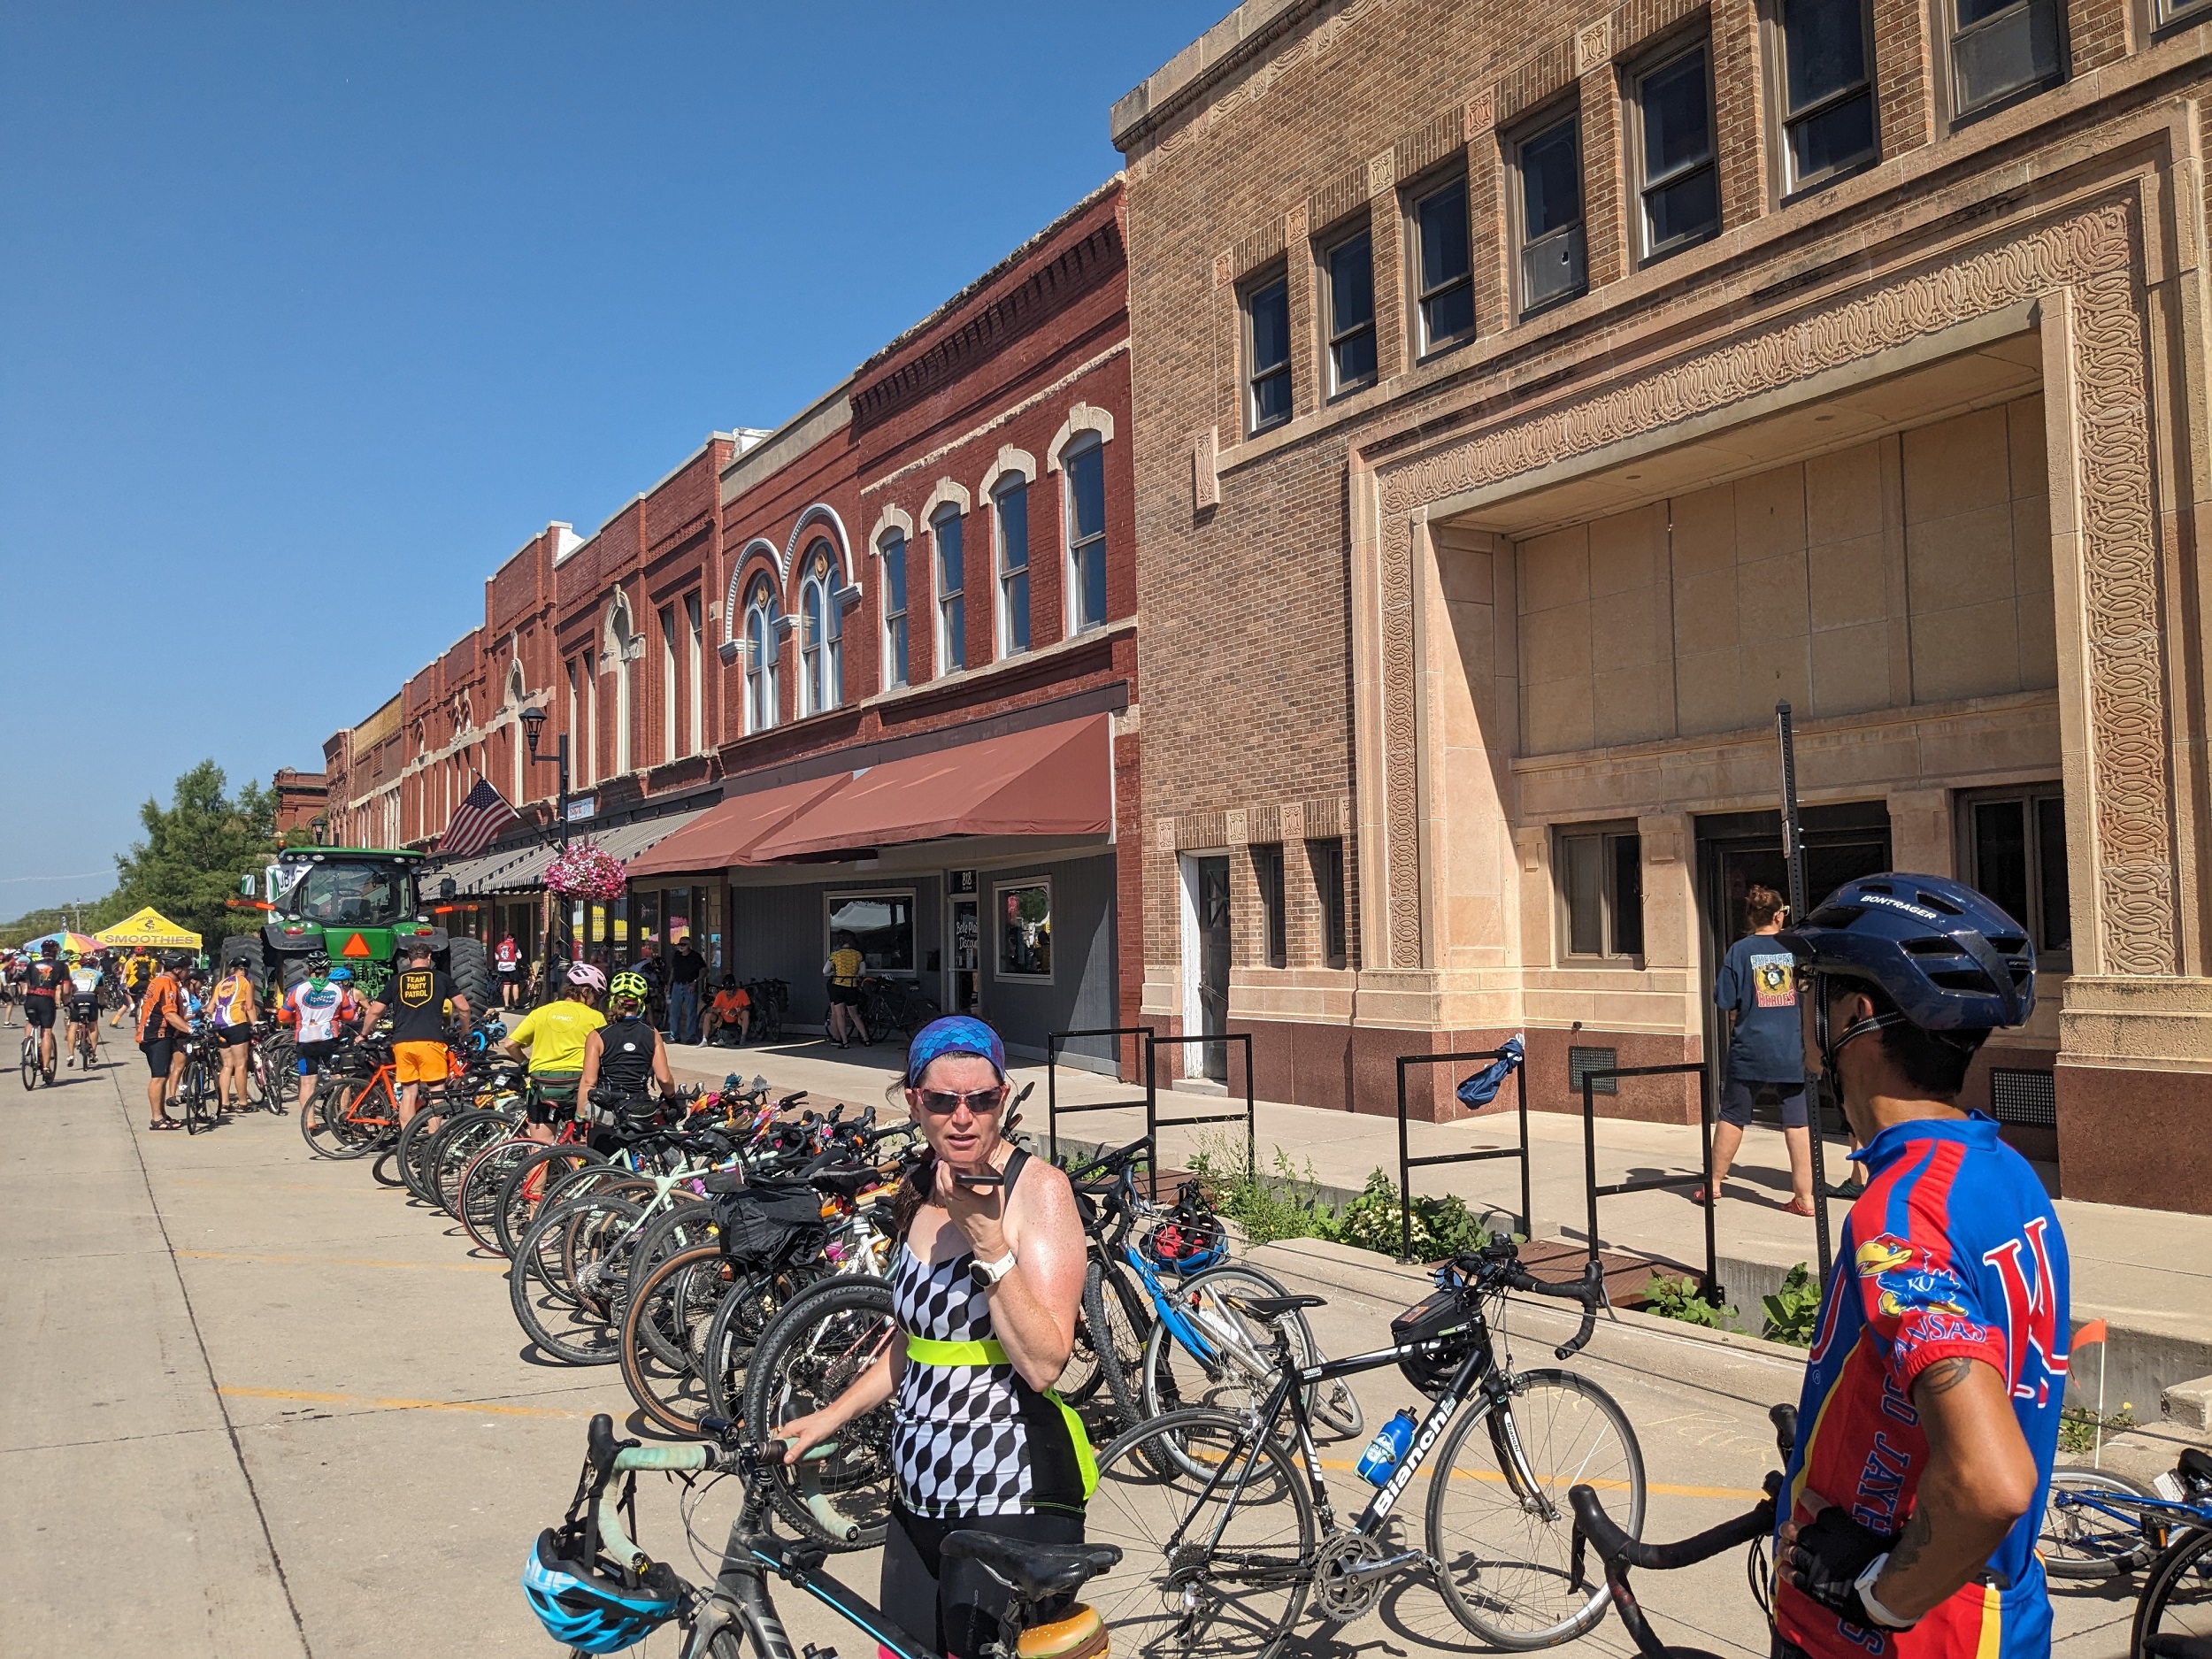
point(625, 1052)
point(43, 989)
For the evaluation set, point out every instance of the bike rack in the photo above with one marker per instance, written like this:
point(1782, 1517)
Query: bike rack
point(1153, 1123)
point(1406, 1163)
point(1711, 1289)
point(1054, 1042)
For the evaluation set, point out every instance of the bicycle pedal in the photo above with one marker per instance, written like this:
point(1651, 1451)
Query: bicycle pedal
point(812, 1652)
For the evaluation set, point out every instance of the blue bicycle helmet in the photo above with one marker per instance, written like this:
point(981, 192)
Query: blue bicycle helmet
point(591, 1610)
point(341, 975)
point(1949, 959)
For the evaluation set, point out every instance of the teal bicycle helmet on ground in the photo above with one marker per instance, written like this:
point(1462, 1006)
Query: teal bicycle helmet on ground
point(594, 1607)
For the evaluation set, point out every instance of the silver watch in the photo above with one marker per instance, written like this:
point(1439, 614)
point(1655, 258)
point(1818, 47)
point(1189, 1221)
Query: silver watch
point(986, 1274)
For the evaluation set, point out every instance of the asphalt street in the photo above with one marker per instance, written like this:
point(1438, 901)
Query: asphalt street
point(260, 1405)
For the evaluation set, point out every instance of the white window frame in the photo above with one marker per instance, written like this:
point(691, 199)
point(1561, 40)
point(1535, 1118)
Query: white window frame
point(1576, 234)
point(999, 889)
point(1657, 63)
point(1424, 345)
point(1254, 423)
point(1010, 483)
point(760, 651)
point(1076, 450)
point(944, 598)
point(1335, 335)
point(1777, 55)
point(621, 632)
point(821, 636)
point(892, 544)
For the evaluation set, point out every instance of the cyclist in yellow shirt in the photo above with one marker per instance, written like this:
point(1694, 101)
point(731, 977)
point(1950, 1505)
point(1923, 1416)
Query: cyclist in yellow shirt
point(554, 1035)
point(842, 970)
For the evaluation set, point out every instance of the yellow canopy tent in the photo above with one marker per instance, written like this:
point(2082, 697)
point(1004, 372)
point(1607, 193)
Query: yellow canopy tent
point(150, 927)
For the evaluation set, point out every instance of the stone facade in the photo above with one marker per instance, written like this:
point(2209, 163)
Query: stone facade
point(1918, 448)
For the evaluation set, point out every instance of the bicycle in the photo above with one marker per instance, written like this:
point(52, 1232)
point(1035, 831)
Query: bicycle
point(359, 1123)
point(772, 1000)
point(85, 1045)
point(196, 1088)
point(2098, 1525)
point(721, 1620)
point(890, 1005)
point(36, 1069)
point(1217, 1521)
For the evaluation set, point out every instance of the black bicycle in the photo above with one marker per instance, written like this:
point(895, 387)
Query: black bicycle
point(1217, 1518)
point(722, 1619)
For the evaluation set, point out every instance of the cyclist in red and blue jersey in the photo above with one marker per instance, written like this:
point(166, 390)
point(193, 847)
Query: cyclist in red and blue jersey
point(1929, 1414)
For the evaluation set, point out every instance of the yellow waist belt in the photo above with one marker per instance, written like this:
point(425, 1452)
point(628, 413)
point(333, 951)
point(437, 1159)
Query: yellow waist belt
point(924, 1351)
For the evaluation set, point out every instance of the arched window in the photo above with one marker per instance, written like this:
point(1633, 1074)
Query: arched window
point(952, 610)
point(1084, 462)
point(892, 551)
point(821, 647)
point(1011, 499)
point(760, 657)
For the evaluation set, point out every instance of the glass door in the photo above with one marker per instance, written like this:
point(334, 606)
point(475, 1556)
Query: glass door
point(1213, 965)
point(963, 983)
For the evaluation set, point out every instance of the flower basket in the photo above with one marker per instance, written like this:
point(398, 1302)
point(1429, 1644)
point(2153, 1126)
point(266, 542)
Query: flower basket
point(586, 870)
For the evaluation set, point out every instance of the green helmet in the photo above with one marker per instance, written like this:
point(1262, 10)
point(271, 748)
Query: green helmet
point(630, 984)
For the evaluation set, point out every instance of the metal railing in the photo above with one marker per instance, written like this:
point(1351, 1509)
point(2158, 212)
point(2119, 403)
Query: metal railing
point(1056, 1040)
point(1408, 1164)
point(1153, 1123)
point(1711, 1289)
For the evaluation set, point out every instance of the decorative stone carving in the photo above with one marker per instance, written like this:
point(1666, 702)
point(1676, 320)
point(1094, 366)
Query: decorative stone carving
point(1482, 112)
point(1594, 44)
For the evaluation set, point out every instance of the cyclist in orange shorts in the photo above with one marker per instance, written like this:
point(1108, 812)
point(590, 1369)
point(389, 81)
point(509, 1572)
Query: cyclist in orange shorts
point(418, 996)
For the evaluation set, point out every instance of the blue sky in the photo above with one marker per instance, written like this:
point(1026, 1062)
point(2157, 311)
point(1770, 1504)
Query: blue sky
point(310, 315)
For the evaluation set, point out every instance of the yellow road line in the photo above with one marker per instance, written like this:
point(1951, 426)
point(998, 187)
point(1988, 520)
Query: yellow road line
point(310, 1398)
point(342, 1260)
point(1667, 1488)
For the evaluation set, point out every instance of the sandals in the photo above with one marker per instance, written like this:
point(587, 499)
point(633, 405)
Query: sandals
point(1794, 1209)
point(1698, 1198)
point(165, 1123)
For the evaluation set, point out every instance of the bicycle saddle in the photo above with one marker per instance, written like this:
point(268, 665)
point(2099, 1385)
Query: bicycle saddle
point(846, 1183)
point(1274, 1306)
point(2197, 1463)
point(1034, 1571)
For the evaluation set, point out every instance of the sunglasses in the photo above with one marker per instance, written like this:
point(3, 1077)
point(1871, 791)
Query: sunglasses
point(940, 1102)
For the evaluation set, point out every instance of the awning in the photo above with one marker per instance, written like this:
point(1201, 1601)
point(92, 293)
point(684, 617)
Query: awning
point(726, 834)
point(148, 927)
point(468, 875)
point(1054, 781)
point(625, 841)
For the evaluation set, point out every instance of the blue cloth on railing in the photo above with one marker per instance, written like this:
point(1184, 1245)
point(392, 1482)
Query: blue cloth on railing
point(1482, 1088)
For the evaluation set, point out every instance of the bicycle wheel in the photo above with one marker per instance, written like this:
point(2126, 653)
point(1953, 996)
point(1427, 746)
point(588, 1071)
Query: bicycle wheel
point(684, 1224)
point(1498, 1518)
point(1216, 1553)
point(30, 1062)
point(1114, 1305)
point(408, 1151)
point(1239, 1368)
point(2173, 1620)
point(811, 1353)
point(676, 1302)
point(195, 1093)
point(449, 1156)
point(525, 1188)
point(478, 1197)
point(2081, 1540)
point(327, 1124)
point(567, 1321)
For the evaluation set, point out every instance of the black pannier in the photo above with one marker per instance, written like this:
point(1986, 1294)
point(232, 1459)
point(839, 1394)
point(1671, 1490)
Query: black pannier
point(768, 1224)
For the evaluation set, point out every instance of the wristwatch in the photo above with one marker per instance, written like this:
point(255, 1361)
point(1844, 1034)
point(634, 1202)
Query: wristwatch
point(1864, 1585)
point(986, 1274)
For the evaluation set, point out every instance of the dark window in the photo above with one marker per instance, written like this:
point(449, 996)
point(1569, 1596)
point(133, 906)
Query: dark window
point(1551, 215)
point(880, 927)
point(1447, 288)
point(1681, 186)
point(1267, 870)
point(1013, 497)
point(894, 546)
point(2014, 843)
point(952, 607)
point(1267, 354)
point(1086, 534)
point(1827, 98)
point(1351, 269)
point(2003, 47)
point(1601, 891)
point(1327, 859)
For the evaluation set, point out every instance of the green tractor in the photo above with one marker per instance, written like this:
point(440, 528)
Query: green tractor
point(358, 905)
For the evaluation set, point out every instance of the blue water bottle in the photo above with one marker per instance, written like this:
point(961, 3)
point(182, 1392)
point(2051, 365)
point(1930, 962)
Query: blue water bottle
point(1388, 1446)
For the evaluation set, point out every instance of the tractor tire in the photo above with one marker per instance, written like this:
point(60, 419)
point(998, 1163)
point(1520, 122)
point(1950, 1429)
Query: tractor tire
point(294, 972)
point(244, 950)
point(469, 965)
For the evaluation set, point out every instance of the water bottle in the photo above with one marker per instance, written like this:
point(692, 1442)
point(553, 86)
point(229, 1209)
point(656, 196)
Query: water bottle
point(1388, 1446)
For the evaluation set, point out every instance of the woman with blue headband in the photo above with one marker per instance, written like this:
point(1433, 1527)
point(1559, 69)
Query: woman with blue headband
point(985, 1291)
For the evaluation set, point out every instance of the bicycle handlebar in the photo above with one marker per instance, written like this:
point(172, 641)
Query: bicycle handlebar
point(1616, 1548)
point(1498, 1261)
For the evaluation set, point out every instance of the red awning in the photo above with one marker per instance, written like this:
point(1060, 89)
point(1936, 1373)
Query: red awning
point(726, 834)
point(1055, 781)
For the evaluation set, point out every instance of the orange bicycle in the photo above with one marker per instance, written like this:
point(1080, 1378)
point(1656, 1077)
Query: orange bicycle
point(354, 1108)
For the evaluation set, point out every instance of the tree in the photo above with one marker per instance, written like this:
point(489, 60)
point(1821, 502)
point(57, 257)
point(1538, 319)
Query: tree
point(194, 852)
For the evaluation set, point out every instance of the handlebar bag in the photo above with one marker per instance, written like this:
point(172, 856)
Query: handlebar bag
point(1444, 1324)
point(769, 1225)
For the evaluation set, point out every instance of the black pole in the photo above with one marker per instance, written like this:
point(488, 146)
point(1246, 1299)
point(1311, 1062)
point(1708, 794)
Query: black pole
point(1590, 1158)
point(1405, 1173)
point(1793, 856)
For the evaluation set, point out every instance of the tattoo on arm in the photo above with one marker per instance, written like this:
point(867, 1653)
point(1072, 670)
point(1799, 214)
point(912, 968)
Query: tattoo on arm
point(1912, 1541)
point(1943, 1375)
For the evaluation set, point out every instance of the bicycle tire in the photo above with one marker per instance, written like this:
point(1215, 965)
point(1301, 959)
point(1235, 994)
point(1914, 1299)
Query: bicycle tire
point(455, 1149)
point(1499, 1556)
point(678, 1299)
point(2080, 1543)
point(385, 1171)
point(322, 1121)
point(414, 1142)
point(662, 1236)
point(1112, 1304)
point(1173, 1378)
point(523, 1190)
point(745, 1314)
point(823, 1339)
point(30, 1064)
point(478, 1192)
point(1236, 1596)
point(2173, 1615)
point(194, 1091)
point(583, 1335)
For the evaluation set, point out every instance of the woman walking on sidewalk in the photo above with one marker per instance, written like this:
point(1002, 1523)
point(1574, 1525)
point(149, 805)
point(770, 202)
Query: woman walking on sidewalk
point(1755, 992)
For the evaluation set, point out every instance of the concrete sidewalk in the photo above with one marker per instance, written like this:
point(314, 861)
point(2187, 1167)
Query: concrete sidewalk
point(2146, 1272)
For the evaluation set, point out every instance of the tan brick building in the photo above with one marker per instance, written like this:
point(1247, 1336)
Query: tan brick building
point(1533, 396)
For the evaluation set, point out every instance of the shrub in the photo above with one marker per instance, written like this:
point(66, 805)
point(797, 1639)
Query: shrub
point(1283, 1205)
point(1682, 1299)
point(1793, 1312)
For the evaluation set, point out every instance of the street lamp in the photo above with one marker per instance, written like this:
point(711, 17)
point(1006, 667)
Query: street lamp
point(316, 825)
point(532, 723)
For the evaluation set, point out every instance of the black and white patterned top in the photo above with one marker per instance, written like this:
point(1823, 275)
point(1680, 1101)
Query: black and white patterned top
point(970, 1439)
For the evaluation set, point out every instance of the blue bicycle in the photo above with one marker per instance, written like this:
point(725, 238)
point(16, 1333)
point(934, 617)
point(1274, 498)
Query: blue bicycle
point(2098, 1525)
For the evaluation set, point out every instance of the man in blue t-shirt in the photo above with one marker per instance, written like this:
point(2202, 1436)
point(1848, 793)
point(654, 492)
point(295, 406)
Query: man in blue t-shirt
point(1756, 994)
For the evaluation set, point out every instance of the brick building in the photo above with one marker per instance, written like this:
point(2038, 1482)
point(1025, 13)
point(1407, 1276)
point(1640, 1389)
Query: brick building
point(1544, 393)
point(870, 673)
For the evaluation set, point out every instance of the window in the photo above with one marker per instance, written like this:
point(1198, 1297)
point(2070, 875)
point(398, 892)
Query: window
point(622, 643)
point(1085, 464)
point(760, 657)
point(668, 684)
point(1549, 164)
point(1999, 48)
point(694, 676)
point(1327, 859)
point(1267, 354)
point(1025, 930)
point(1827, 98)
point(821, 645)
point(1602, 892)
point(1447, 295)
point(2013, 848)
point(879, 925)
point(2169, 12)
point(1350, 268)
point(1267, 871)
point(1011, 498)
point(587, 751)
point(1680, 185)
point(892, 550)
point(952, 610)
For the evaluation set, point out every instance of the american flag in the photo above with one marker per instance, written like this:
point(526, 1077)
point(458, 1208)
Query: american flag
point(482, 814)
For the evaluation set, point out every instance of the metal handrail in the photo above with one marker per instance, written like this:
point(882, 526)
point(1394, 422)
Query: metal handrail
point(1711, 1288)
point(1408, 1164)
point(1153, 1123)
point(1054, 1042)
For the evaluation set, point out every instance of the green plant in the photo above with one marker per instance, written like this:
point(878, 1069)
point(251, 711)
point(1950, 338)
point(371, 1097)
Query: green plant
point(2078, 1426)
point(1682, 1299)
point(1283, 1205)
point(1792, 1312)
